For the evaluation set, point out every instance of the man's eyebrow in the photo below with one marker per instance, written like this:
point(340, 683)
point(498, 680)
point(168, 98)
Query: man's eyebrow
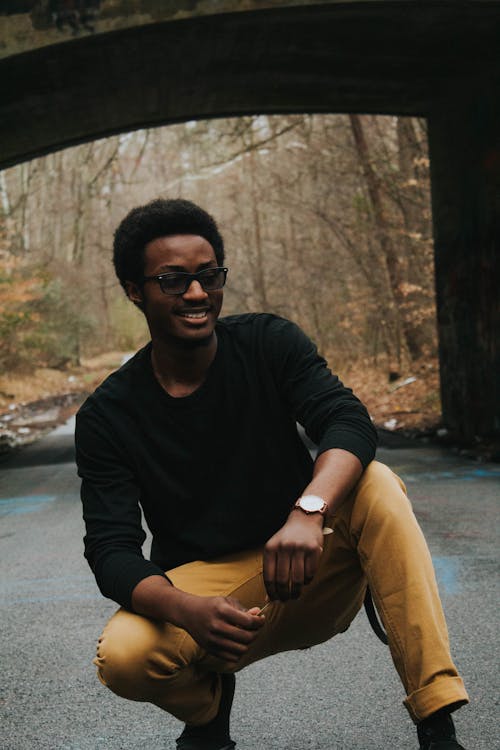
point(182, 269)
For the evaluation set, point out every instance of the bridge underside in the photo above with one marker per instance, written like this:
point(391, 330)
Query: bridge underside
point(438, 60)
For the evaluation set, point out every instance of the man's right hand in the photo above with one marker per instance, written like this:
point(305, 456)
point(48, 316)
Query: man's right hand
point(221, 625)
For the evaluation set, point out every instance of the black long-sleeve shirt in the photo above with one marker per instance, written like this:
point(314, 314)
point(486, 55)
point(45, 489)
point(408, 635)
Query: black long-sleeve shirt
point(216, 471)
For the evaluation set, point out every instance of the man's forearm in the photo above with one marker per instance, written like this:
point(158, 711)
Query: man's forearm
point(157, 598)
point(336, 471)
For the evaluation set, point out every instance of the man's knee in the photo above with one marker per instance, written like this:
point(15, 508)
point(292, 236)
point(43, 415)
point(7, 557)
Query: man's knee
point(379, 497)
point(379, 477)
point(135, 654)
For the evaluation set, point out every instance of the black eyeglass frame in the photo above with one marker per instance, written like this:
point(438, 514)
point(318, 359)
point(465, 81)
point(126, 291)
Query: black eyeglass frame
point(188, 278)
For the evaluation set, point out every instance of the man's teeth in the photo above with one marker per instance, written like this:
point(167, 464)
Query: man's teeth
point(194, 315)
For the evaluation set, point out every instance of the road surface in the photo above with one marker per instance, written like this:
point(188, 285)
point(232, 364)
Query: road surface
point(343, 695)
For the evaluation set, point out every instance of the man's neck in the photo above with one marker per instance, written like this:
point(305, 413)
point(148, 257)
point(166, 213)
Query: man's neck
point(181, 369)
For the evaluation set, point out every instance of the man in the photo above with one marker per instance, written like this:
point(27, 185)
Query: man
point(199, 429)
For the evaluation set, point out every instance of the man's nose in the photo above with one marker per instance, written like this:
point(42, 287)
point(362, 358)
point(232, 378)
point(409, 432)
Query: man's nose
point(195, 291)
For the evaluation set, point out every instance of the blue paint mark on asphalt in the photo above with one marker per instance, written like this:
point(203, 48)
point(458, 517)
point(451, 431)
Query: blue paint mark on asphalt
point(56, 580)
point(58, 589)
point(45, 599)
point(465, 475)
point(448, 574)
point(27, 504)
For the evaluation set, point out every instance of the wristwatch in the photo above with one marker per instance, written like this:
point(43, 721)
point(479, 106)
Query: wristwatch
point(311, 504)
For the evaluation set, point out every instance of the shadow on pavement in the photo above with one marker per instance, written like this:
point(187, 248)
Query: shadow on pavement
point(52, 449)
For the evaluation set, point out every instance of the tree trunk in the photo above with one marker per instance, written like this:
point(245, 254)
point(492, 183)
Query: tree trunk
point(418, 291)
point(387, 251)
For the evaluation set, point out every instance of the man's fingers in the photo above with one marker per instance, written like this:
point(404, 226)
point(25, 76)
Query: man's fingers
point(297, 574)
point(241, 618)
point(311, 563)
point(226, 656)
point(283, 575)
point(228, 642)
point(254, 611)
point(269, 572)
point(228, 651)
point(290, 564)
point(235, 635)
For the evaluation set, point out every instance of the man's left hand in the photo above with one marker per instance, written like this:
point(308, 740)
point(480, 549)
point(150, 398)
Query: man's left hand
point(291, 556)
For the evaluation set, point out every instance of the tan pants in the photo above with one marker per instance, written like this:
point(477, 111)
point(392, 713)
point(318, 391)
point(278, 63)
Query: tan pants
point(376, 539)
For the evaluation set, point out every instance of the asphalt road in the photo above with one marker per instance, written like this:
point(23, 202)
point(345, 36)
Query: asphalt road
point(343, 695)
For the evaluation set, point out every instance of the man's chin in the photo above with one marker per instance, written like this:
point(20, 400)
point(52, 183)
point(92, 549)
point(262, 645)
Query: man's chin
point(194, 342)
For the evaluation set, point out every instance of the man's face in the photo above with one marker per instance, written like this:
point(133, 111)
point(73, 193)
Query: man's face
point(188, 317)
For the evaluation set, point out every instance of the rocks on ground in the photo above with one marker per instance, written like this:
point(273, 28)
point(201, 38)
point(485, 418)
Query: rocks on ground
point(22, 424)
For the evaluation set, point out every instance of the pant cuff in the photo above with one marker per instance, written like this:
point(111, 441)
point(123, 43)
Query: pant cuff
point(440, 693)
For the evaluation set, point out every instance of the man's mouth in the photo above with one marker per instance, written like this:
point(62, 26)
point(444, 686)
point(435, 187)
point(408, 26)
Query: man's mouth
point(193, 314)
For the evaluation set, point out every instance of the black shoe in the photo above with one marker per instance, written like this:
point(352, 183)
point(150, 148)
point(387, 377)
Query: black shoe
point(200, 744)
point(215, 735)
point(437, 732)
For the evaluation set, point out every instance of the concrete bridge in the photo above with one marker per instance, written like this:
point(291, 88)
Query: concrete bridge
point(74, 71)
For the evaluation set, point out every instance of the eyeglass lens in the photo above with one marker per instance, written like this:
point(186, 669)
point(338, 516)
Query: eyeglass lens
point(178, 283)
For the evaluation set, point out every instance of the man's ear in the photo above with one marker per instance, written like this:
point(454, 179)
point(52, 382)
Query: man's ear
point(133, 292)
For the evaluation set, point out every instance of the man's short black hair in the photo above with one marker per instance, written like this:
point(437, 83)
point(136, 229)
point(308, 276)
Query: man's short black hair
point(159, 218)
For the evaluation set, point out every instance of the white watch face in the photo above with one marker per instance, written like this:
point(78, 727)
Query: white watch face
point(311, 503)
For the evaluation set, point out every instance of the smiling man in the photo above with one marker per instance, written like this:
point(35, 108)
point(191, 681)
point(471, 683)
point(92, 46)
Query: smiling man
point(256, 549)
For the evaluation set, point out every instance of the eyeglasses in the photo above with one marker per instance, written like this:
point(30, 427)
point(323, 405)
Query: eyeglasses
point(210, 279)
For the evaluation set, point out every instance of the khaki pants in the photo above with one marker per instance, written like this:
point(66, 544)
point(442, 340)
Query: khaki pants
point(376, 539)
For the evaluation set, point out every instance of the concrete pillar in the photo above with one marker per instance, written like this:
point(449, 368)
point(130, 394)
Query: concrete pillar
point(464, 143)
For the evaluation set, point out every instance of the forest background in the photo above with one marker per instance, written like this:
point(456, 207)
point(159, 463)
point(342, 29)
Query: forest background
point(326, 220)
